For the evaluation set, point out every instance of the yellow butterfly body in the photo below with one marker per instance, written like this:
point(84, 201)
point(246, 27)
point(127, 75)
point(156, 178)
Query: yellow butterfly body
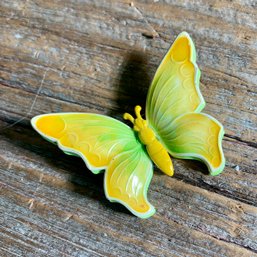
point(155, 149)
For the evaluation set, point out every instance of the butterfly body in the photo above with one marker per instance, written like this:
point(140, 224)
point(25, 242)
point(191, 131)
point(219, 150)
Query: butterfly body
point(174, 125)
point(155, 149)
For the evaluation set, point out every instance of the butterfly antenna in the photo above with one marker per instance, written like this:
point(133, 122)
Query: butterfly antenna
point(138, 109)
point(129, 117)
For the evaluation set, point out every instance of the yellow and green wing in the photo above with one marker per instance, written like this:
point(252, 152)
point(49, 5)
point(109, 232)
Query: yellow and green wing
point(196, 136)
point(104, 144)
point(174, 99)
point(175, 87)
point(127, 179)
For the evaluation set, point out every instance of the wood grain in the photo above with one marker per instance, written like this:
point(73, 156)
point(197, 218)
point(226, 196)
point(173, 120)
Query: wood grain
point(100, 56)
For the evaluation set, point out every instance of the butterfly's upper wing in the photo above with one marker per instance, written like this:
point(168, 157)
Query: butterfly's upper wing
point(175, 87)
point(104, 143)
point(175, 93)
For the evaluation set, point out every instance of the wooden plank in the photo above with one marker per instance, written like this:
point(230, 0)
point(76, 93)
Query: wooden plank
point(79, 86)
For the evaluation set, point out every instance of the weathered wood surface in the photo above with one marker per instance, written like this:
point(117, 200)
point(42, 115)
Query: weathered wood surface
point(100, 56)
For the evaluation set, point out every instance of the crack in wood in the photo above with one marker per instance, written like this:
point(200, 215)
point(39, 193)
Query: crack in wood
point(249, 143)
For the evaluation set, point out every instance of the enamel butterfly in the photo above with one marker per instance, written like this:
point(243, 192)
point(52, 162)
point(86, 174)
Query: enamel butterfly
point(174, 126)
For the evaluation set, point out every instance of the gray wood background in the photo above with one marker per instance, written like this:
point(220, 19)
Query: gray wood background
point(100, 56)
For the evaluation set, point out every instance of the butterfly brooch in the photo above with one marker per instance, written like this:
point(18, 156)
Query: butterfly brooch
point(174, 126)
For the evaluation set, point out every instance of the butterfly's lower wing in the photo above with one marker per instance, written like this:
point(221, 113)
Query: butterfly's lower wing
point(127, 179)
point(104, 143)
point(196, 136)
point(175, 87)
